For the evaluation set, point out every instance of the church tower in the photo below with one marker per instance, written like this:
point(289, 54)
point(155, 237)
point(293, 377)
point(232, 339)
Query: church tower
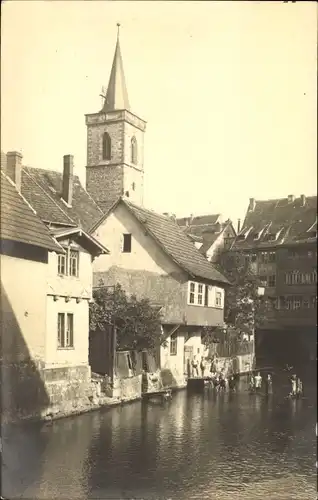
point(115, 144)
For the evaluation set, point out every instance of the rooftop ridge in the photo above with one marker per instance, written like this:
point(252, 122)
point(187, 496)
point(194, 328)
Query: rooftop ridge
point(47, 194)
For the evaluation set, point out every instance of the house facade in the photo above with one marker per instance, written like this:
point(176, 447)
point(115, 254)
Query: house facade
point(57, 338)
point(280, 238)
point(25, 246)
point(151, 257)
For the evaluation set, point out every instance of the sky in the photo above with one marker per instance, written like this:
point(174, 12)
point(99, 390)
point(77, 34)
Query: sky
point(228, 90)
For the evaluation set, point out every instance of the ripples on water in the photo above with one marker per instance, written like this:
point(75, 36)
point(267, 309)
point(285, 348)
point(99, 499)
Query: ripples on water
point(201, 446)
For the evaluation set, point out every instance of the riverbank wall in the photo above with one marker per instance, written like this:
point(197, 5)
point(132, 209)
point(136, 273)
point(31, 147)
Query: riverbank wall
point(63, 392)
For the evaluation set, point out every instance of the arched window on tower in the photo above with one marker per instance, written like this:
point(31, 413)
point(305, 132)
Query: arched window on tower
point(107, 147)
point(134, 152)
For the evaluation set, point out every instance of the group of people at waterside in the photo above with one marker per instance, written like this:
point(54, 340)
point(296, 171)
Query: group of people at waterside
point(257, 382)
point(202, 368)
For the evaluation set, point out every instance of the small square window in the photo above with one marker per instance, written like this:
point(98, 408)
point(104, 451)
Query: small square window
point(127, 243)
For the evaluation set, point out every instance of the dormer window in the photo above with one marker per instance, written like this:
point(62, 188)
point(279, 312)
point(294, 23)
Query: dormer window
point(256, 236)
point(312, 234)
point(68, 263)
point(271, 237)
point(244, 234)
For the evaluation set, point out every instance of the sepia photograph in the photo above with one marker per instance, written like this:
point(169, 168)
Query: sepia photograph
point(158, 250)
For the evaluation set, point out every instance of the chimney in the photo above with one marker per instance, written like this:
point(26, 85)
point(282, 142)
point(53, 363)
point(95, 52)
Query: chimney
point(238, 226)
point(67, 187)
point(14, 168)
point(291, 198)
point(302, 200)
point(252, 204)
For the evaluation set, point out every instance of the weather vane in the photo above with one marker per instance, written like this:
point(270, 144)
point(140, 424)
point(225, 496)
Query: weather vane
point(103, 94)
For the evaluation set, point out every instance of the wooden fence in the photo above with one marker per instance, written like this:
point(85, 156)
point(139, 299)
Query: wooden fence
point(228, 349)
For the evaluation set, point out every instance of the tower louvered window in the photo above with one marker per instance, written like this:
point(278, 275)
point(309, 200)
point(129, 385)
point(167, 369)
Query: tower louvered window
point(106, 146)
point(134, 151)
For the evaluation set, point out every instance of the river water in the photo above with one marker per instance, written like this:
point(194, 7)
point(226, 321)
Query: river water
point(199, 446)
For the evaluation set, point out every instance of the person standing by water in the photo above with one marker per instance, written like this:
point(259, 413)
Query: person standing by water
point(202, 366)
point(293, 380)
point(232, 383)
point(258, 382)
point(222, 382)
point(251, 382)
point(269, 384)
point(299, 387)
point(213, 364)
point(195, 367)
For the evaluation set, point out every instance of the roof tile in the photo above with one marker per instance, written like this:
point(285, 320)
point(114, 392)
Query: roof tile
point(19, 223)
point(291, 218)
point(42, 188)
point(176, 244)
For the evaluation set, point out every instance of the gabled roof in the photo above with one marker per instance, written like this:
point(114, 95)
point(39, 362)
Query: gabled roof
point(200, 221)
point(79, 233)
point(19, 223)
point(43, 188)
point(173, 241)
point(277, 222)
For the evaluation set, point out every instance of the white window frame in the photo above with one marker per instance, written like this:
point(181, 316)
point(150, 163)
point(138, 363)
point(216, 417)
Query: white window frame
point(191, 296)
point(204, 295)
point(218, 299)
point(65, 336)
point(65, 261)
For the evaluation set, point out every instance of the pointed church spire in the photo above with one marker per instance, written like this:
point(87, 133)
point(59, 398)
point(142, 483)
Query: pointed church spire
point(116, 95)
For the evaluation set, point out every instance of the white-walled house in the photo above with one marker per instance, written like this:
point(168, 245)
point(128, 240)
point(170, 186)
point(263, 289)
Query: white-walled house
point(69, 291)
point(151, 257)
point(50, 305)
point(44, 309)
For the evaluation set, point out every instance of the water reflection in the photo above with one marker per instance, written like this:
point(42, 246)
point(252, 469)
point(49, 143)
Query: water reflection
point(196, 446)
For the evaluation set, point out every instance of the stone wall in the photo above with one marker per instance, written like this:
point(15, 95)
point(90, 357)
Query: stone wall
point(127, 389)
point(31, 391)
point(105, 183)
